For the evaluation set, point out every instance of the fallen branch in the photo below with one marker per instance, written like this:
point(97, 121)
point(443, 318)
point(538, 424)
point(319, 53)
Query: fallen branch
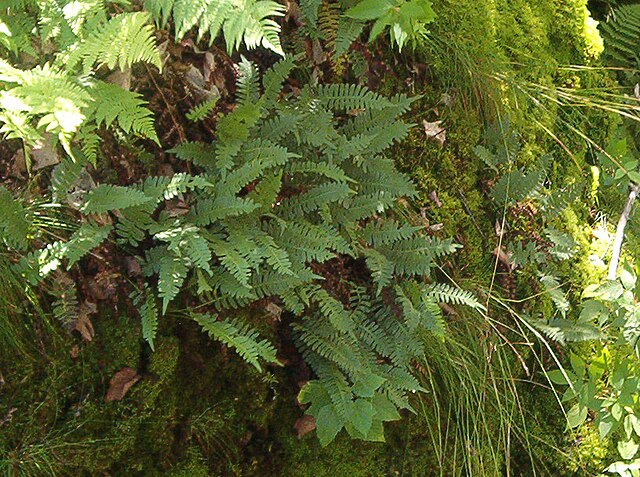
point(622, 223)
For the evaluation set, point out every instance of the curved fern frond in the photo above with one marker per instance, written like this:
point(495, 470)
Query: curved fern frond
point(238, 335)
point(113, 103)
point(247, 21)
point(125, 39)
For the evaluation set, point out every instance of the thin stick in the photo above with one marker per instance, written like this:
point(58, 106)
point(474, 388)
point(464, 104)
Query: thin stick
point(622, 223)
point(175, 122)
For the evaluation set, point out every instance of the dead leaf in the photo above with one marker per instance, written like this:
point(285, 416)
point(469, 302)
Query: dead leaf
point(121, 77)
point(433, 197)
point(435, 131)
point(120, 383)
point(504, 258)
point(18, 165)
point(304, 425)
point(134, 269)
point(636, 91)
point(274, 310)
point(8, 416)
point(84, 326)
point(75, 352)
point(44, 153)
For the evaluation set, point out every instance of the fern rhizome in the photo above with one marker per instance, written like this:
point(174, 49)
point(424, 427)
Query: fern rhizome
point(293, 188)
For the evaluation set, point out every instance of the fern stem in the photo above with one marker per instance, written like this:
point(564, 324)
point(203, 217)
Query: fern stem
point(622, 223)
point(175, 122)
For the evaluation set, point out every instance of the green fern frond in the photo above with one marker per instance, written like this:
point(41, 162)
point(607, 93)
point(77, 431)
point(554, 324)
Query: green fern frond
point(106, 197)
point(240, 21)
point(445, 293)
point(14, 221)
point(199, 153)
point(202, 110)
point(622, 37)
point(171, 274)
point(346, 97)
point(238, 335)
point(83, 240)
point(313, 199)
point(387, 232)
point(347, 32)
point(112, 103)
point(144, 300)
point(124, 40)
point(247, 90)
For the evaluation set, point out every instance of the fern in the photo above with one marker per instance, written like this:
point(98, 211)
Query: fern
point(240, 21)
point(124, 40)
point(112, 103)
point(350, 97)
point(622, 37)
point(202, 110)
point(239, 336)
point(292, 188)
point(86, 238)
point(145, 302)
point(14, 221)
point(105, 198)
point(445, 293)
point(171, 274)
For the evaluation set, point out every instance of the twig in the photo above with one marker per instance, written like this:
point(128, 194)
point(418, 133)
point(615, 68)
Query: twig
point(176, 124)
point(622, 223)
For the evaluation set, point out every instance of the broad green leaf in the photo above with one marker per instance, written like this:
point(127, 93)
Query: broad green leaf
point(376, 433)
point(628, 276)
point(369, 9)
point(367, 385)
point(576, 416)
point(361, 415)
point(578, 365)
point(556, 376)
point(328, 424)
point(384, 409)
point(627, 449)
point(605, 425)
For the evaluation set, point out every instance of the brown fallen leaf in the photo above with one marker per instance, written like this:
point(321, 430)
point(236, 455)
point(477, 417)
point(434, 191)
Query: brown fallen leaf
point(504, 258)
point(120, 383)
point(433, 197)
point(274, 311)
point(121, 77)
point(304, 425)
point(43, 153)
point(83, 324)
point(75, 352)
point(435, 131)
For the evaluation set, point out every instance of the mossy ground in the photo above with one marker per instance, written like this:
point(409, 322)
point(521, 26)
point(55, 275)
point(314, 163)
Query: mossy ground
point(198, 410)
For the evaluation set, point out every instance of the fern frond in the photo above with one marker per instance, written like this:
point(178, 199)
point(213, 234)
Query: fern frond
point(445, 293)
point(83, 240)
point(347, 32)
point(622, 37)
point(14, 221)
point(247, 91)
point(346, 97)
point(199, 153)
point(299, 205)
point(145, 302)
point(106, 197)
point(171, 274)
point(124, 40)
point(238, 335)
point(202, 110)
point(113, 103)
point(240, 21)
